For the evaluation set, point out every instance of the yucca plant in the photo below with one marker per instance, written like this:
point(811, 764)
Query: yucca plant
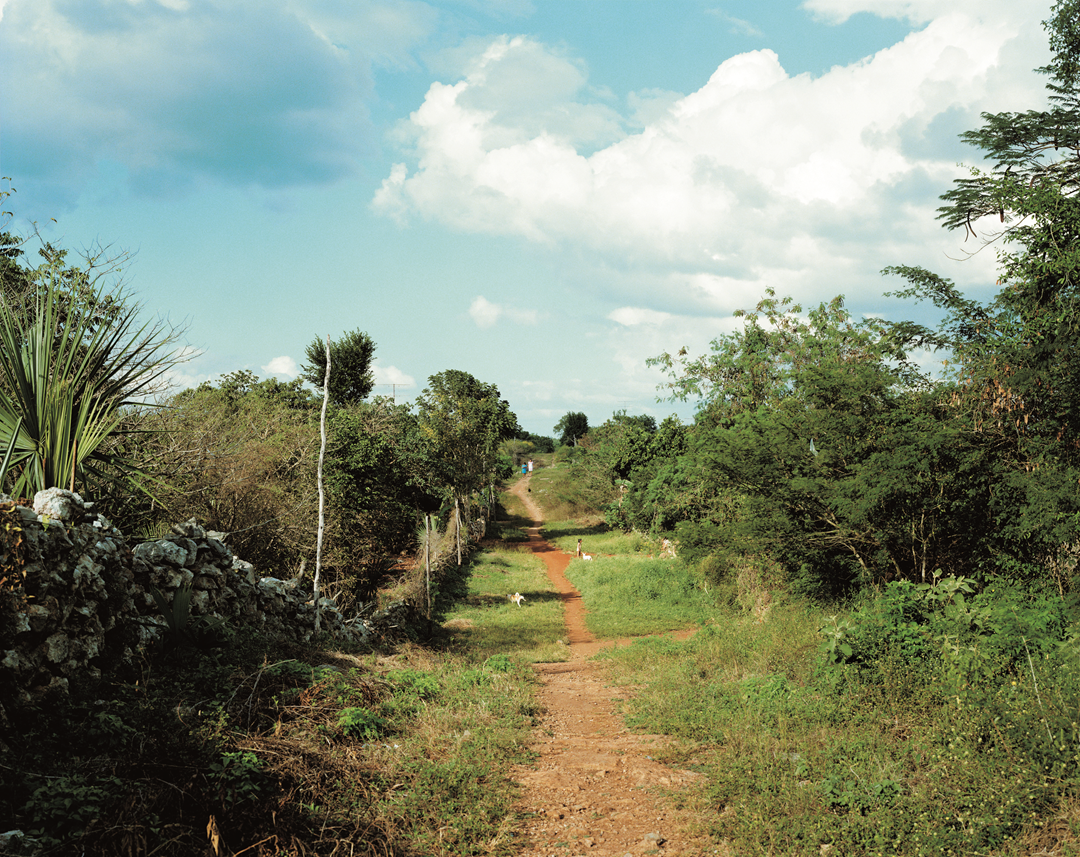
point(69, 373)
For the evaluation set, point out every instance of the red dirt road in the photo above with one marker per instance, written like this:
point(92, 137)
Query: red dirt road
point(594, 788)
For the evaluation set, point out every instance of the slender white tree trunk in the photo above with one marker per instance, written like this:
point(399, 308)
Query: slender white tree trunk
point(322, 493)
point(457, 517)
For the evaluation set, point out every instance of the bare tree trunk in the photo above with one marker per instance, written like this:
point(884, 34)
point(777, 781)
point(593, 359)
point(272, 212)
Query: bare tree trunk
point(322, 493)
point(457, 517)
point(427, 558)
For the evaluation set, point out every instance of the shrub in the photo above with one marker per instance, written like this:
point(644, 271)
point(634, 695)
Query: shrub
point(360, 723)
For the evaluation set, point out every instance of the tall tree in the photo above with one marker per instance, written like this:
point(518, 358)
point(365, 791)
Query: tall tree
point(352, 379)
point(1017, 356)
point(466, 420)
point(573, 426)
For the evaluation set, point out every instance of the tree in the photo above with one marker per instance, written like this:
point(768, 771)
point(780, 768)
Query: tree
point(241, 457)
point(380, 474)
point(1015, 359)
point(573, 426)
point(465, 421)
point(1017, 356)
point(351, 355)
point(844, 461)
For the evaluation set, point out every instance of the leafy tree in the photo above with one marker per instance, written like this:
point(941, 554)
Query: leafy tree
point(662, 487)
point(847, 466)
point(380, 474)
point(541, 443)
point(573, 426)
point(1017, 356)
point(465, 421)
point(516, 450)
point(352, 379)
point(241, 454)
point(1015, 359)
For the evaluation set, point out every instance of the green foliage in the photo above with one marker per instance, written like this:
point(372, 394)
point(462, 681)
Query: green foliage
point(351, 378)
point(75, 361)
point(241, 454)
point(238, 776)
point(899, 758)
point(1014, 360)
point(63, 807)
point(361, 724)
point(499, 663)
point(946, 629)
point(571, 428)
point(540, 443)
point(380, 470)
point(817, 446)
point(412, 691)
point(183, 629)
point(465, 420)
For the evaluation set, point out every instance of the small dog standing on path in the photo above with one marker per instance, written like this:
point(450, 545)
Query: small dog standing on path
point(517, 598)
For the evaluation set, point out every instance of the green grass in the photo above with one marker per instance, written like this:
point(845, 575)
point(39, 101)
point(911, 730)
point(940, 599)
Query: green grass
point(485, 622)
point(627, 596)
point(795, 760)
point(512, 521)
point(597, 539)
point(555, 492)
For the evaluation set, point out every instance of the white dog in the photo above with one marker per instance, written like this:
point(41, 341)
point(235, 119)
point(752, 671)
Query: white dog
point(517, 598)
point(586, 556)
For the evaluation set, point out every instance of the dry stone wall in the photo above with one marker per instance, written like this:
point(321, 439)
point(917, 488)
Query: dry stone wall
point(76, 598)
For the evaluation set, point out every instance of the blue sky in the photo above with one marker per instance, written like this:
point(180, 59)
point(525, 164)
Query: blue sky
point(543, 194)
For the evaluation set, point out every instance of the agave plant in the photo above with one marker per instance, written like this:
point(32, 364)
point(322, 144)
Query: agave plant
point(68, 377)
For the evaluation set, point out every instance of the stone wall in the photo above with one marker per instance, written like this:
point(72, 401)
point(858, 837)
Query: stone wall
point(76, 596)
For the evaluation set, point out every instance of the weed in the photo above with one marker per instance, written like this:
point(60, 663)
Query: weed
point(238, 777)
point(361, 724)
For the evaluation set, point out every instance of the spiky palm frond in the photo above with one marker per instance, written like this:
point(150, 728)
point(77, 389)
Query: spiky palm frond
point(65, 380)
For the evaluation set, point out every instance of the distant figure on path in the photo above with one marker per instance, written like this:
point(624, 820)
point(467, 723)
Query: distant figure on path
point(579, 547)
point(530, 465)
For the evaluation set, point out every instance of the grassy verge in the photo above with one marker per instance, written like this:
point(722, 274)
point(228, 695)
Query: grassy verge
point(555, 491)
point(629, 596)
point(808, 755)
point(597, 539)
point(485, 622)
point(274, 750)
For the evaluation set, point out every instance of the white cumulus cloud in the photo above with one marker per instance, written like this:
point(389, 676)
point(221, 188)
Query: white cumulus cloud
point(486, 314)
point(391, 376)
point(807, 184)
point(282, 366)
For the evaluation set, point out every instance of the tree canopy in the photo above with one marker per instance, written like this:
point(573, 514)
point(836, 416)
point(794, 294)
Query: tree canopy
point(352, 378)
point(571, 428)
point(466, 420)
point(1017, 356)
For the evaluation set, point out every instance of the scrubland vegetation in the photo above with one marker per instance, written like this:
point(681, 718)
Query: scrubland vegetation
point(880, 563)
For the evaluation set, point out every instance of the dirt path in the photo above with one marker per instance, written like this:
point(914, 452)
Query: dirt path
point(594, 790)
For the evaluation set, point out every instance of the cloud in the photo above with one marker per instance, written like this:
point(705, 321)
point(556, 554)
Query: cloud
point(485, 314)
point(806, 184)
point(282, 366)
point(635, 316)
point(738, 25)
point(389, 380)
point(271, 94)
